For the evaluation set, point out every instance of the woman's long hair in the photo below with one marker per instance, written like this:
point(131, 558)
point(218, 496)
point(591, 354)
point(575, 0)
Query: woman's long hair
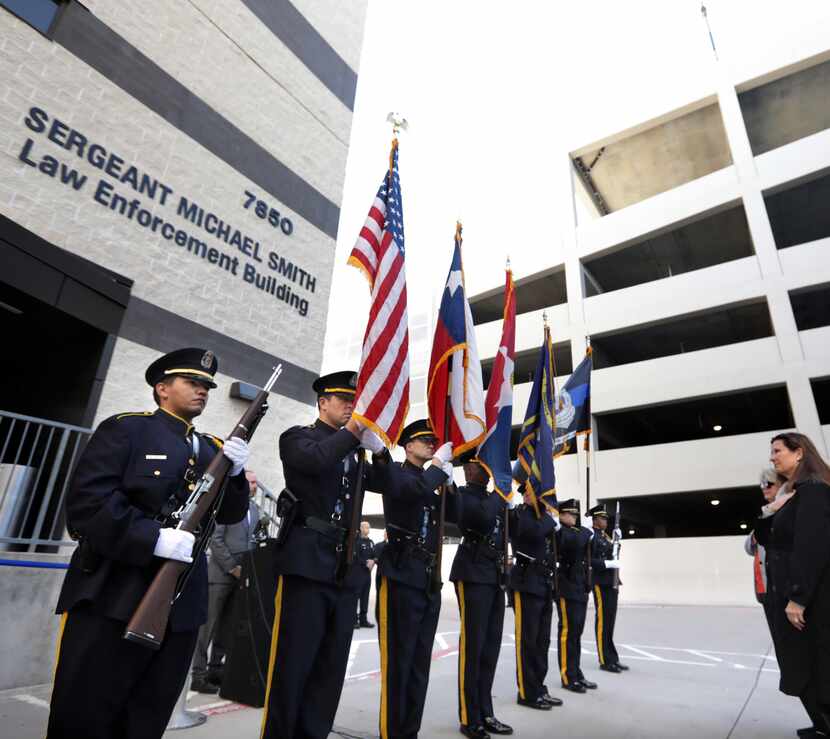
point(812, 467)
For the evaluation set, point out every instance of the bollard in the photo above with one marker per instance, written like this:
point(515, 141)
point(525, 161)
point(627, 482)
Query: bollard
point(181, 717)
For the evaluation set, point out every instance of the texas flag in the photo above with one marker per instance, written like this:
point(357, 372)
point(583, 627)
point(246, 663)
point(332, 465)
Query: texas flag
point(494, 453)
point(455, 394)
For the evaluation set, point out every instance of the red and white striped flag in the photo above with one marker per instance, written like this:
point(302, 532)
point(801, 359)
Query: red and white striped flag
point(382, 399)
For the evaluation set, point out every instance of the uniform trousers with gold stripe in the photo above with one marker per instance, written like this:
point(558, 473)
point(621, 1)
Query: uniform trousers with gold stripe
point(605, 601)
point(571, 624)
point(407, 618)
point(310, 641)
point(108, 688)
point(481, 608)
point(533, 615)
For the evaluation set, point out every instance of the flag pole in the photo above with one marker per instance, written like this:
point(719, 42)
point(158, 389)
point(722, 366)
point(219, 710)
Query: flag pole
point(437, 584)
point(587, 447)
point(508, 560)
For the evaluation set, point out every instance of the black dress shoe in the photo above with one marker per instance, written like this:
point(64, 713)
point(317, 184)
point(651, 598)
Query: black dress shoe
point(474, 732)
point(575, 687)
point(622, 667)
point(588, 684)
point(810, 732)
point(203, 686)
point(540, 704)
point(357, 624)
point(366, 625)
point(806, 731)
point(610, 668)
point(550, 700)
point(494, 726)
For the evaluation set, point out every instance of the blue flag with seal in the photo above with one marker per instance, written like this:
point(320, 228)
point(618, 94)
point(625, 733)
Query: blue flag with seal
point(573, 407)
point(536, 440)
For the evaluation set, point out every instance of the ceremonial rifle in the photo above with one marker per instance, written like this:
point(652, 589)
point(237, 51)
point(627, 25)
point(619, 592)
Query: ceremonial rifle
point(347, 552)
point(148, 624)
point(506, 561)
point(616, 544)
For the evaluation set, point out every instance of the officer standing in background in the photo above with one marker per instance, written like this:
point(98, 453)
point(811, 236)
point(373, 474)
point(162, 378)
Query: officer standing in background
point(407, 607)
point(606, 591)
point(363, 566)
point(314, 613)
point(531, 580)
point(475, 572)
point(228, 545)
point(136, 470)
point(573, 542)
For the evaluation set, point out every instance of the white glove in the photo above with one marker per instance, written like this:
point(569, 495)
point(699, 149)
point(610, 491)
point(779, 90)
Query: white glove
point(556, 523)
point(175, 544)
point(448, 470)
point(443, 453)
point(236, 450)
point(612, 564)
point(617, 534)
point(371, 441)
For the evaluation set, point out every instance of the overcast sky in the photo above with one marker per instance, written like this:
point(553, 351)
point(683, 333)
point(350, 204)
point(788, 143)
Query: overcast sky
point(497, 95)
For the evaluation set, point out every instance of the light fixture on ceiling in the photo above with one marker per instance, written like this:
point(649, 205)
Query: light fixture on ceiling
point(743, 526)
point(631, 532)
point(714, 501)
point(11, 309)
point(717, 427)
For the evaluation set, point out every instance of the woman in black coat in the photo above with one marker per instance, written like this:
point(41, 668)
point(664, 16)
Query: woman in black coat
point(798, 537)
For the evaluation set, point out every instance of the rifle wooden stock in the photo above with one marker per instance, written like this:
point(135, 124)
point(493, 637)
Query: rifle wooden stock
point(148, 624)
point(347, 556)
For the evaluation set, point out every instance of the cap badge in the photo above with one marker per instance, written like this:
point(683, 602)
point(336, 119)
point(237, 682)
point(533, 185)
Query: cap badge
point(207, 360)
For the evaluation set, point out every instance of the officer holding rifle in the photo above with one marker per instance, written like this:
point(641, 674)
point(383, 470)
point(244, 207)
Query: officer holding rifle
point(137, 469)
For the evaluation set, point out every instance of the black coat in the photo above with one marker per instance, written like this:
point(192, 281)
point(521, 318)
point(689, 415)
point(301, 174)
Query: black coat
point(602, 549)
point(116, 491)
point(533, 567)
point(364, 551)
point(797, 539)
point(316, 461)
point(481, 520)
point(411, 510)
point(573, 545)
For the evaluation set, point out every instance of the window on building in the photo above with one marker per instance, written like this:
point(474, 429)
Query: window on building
point(728, 512)
point(706, 240)
point(798, 213)
point(726, 414)
point(821, 394)
point(726, 324)
point(542, 290)
point(811, 306)
point(39, 14)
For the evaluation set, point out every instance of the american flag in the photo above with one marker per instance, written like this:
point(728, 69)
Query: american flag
point(382, 399)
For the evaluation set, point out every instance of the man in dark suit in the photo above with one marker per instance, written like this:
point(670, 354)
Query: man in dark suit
point(606, 591)
point(137, 469)
point(407, 604)
point(573, 542)
point(475, 572)
point(314, 611)
point(531, 580)
point(227, 548)
point(364, 565)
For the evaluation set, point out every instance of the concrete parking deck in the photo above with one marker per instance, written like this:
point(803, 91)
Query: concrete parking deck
point(695, 672)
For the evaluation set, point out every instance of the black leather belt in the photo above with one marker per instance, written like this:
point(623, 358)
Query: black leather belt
point(331, 531)
point(412, 548)
point(481, 546)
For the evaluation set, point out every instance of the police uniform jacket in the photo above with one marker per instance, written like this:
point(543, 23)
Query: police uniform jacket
point(320, 469)
point(128, 472)
point(602, 548)
point(797, 538)
point(532, 570)
point(411, 508)
point(572, 543)
point(364, 551)
point(479, 556)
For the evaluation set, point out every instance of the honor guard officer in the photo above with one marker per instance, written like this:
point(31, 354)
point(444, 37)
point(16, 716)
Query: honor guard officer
point(407, 608)
point(531, 580)
point(476, 574)
point(363, 566)
point(573, 542)
point(314, 612)
point(606, 591)
point(137, 469)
